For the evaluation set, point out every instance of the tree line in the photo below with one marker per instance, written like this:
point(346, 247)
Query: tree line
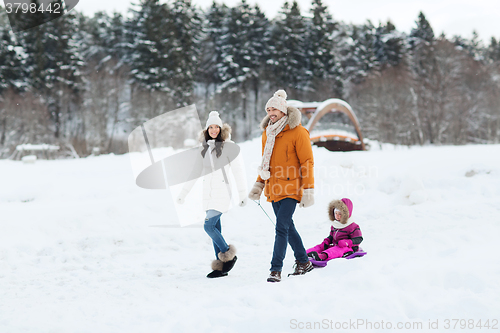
point(88, 81)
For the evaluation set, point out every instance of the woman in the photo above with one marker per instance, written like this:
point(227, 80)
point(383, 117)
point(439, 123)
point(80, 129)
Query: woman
point(218, 152)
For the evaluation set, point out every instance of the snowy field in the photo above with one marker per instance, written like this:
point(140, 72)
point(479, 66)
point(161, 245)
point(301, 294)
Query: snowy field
point(83, 249)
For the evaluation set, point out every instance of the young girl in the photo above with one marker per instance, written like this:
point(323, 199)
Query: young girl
point(345, 235)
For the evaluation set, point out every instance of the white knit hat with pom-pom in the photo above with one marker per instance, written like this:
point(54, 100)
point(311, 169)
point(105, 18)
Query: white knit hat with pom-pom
point(213, 119)
point(278, 101)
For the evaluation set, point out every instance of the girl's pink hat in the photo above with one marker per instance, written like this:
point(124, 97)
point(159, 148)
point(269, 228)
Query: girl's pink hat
point(348, 203)
point(344, 205)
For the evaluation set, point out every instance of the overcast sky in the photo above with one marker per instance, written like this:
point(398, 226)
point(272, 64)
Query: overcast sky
point(453, 17)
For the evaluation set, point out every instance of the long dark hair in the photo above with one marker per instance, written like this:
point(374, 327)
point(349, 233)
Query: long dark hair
point(219, 143)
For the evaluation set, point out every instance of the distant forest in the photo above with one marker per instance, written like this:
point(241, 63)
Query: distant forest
point(86, 82)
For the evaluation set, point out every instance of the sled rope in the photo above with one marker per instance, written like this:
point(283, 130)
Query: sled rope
point(258, 203)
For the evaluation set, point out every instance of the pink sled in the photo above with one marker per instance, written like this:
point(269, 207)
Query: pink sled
point(323, 263)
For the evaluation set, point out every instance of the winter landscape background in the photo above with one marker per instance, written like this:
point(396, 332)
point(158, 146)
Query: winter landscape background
point(85, 82)
point(83, 249)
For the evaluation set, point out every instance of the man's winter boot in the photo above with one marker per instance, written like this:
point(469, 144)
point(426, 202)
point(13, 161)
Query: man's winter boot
point(274, 277)
point(217, 266)
point(301, 269)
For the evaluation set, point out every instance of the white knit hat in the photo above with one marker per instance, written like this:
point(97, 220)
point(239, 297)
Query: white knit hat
point(213, 119)
point(278, 101)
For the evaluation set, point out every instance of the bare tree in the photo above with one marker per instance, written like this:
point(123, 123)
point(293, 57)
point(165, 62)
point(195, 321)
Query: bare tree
point(104, 100)
point(385, 105)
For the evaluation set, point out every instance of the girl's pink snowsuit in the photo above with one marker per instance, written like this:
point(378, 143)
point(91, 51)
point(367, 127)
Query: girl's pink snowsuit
point(351, 233)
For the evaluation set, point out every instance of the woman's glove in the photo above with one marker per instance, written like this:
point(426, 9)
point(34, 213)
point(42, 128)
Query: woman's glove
point(307, 198)
point(256, 191)
point(344, 243)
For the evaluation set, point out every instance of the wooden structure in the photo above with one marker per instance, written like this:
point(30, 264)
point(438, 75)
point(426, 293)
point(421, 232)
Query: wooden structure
point(332, 140)
point(45, 149)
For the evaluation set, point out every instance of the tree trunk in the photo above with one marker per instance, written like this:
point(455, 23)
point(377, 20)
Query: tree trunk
point(57, 121)
point(4, 128)
point(256, 108)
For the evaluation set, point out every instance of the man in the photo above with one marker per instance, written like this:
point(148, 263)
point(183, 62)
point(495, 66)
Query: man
point(287, 175)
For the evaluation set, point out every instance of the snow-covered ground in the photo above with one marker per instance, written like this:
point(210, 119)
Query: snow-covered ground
point(83, 249)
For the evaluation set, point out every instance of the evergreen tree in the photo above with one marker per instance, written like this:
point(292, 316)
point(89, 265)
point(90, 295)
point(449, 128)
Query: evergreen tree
point(459, 41)
point(183, 57)
point(259, 39)
point(288, 67)
point(422, 42)
point(494, 50)
point(358, 58)
point(147, 32)
point(211, 47)
point(53, 64)
point(116, 39)
point(105, 37)
point(390, 27)
point(245, 49)
point(476, 48)
point(325, 68)
point(11, 70)
point(423, 33)
point(34, 42)
point(428, 79)
point(102, 40)
point(12, 77)
point(65, 64)
point(163, 48)
point(389, 45)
